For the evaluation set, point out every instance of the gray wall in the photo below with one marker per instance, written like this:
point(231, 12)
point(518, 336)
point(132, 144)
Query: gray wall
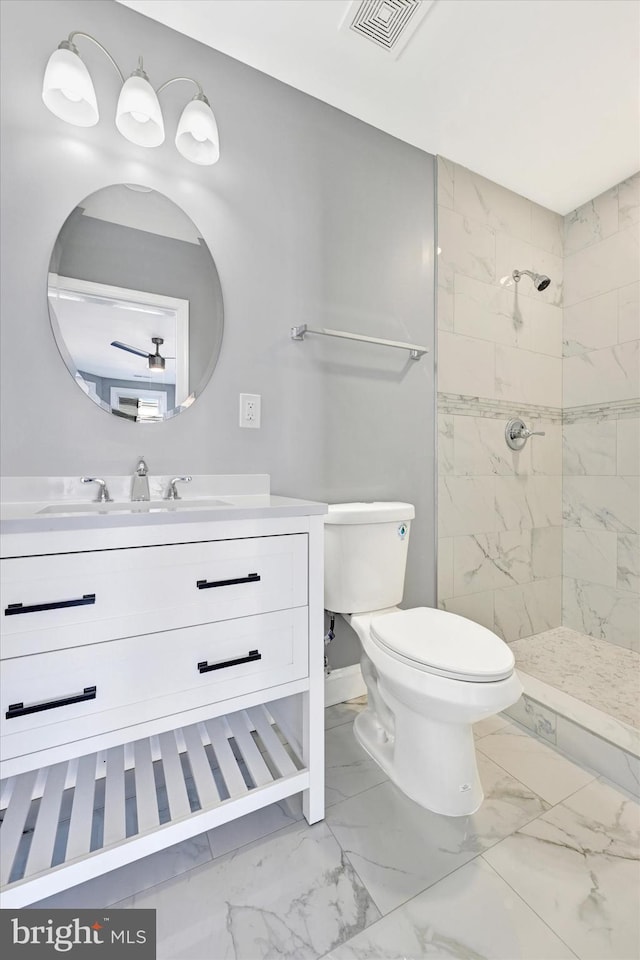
point(311, 217)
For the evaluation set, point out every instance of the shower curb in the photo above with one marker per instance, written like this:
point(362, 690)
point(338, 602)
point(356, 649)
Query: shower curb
point(575, 740)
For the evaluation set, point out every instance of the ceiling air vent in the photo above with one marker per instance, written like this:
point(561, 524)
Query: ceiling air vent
point(389, 24)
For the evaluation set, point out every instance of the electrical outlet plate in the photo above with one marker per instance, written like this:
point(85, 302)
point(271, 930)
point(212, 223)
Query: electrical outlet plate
point(250, 410)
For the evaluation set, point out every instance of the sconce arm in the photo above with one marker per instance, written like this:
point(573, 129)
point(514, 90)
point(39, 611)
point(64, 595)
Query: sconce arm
point(69, 44)
point(200, 94)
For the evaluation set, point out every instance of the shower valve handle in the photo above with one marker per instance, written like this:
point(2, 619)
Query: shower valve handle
point(517, 433)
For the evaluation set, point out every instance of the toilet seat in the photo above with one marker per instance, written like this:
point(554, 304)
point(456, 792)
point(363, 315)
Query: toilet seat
point(443, 643)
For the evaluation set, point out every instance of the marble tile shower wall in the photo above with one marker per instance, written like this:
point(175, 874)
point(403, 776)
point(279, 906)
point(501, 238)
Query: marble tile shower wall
point(499, 356)
point(601, 431)
point(551, 535)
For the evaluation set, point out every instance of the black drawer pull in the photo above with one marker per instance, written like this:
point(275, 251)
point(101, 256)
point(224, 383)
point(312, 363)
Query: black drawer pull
point(207, 584)
point(205, 667)
point(15, 608)
point(19, 709)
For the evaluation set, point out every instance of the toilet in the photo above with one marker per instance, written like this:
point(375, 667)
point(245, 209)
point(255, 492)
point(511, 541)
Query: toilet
point(430, 675)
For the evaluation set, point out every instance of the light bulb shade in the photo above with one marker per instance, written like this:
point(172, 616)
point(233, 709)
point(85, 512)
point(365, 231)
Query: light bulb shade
point(197, 135)
point(67, 89)
point(138, 114)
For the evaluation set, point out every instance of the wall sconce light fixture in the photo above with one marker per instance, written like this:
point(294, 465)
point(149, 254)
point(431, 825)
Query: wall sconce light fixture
point(68, 92)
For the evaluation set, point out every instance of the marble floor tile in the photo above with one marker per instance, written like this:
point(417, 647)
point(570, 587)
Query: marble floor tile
point(470, 914)
point(348, 768)
point(260, 823)
point(535, 764)
point(107, 889)
point(399, 849)
point(293, 895)
point(341, 713)
point(577, 867)
point(484, 727)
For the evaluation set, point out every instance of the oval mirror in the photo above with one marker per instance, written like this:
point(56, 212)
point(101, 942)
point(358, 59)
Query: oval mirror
point(135, 303)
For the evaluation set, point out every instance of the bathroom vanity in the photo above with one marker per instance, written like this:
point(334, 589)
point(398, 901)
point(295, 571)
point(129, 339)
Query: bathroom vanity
point(162, 673)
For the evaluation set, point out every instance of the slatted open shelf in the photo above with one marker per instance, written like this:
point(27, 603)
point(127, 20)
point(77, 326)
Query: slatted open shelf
point(71, 821)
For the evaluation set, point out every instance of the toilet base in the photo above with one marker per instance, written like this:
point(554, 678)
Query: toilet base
point(418, 726)
point(432, 762)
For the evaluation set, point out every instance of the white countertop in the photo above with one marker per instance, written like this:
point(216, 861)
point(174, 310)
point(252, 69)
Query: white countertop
point(27, 518)
point(205, 500)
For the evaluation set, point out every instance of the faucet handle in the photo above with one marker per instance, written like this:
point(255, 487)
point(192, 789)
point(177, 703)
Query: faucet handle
point(103, 492)
point(172, 490)
point(517, 433)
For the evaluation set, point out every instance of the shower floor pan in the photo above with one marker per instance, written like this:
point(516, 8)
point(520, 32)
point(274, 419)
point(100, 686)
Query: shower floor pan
point(581, 694)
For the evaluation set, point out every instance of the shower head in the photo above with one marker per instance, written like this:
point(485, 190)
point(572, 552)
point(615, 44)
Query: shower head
point(540, 282)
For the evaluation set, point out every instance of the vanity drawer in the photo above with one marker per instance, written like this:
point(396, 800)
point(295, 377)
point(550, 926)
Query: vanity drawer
point(55, 698)
point(52, 602)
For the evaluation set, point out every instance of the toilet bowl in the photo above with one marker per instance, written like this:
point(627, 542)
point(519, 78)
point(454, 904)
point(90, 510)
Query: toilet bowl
point(419, 728)
point(430, 675)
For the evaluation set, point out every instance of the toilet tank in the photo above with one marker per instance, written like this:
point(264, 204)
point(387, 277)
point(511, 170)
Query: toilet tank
point(365, 555)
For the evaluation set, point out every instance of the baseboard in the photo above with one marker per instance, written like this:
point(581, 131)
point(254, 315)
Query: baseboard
point(343, 684)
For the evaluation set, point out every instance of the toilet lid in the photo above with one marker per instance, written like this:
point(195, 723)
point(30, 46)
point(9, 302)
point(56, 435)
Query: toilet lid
point(444, 643)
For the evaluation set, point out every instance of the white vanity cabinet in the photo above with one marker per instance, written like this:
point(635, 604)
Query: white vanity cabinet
point(158, 679)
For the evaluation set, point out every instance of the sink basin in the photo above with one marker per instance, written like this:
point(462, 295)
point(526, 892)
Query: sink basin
point(126, 506)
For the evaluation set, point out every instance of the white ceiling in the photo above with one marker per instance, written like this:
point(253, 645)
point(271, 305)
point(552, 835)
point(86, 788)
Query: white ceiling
point(541, 96)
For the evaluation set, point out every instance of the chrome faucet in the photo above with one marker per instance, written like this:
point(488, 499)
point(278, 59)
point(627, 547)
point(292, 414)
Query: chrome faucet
point(103, 490)
point(172, 490)
point(140, 482)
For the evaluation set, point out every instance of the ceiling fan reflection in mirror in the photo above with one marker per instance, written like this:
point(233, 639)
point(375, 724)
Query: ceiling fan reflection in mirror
point(155, 360)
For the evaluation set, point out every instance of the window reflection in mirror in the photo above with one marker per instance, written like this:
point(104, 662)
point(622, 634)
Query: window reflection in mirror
point(135, 303)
